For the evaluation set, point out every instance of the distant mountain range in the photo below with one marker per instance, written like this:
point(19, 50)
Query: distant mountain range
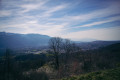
point(85, 40)
point(96, 44)
point(13, 40)
point(17, 41)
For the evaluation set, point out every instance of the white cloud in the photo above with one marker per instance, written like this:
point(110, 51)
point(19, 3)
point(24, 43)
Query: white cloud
point(29, 7)
point(53, 30)
point(96, 14)
point(56, 8)
point(43, 23)
point(32, 22)
point(33, 26)
point(99, 34)
point(5, 13)
point(50, 10)
point(99, 22)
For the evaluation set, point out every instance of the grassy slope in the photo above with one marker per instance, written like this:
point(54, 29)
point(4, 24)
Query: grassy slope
point(113, 74)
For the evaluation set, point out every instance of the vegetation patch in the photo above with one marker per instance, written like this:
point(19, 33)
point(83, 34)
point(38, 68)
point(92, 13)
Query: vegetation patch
point(112, 74)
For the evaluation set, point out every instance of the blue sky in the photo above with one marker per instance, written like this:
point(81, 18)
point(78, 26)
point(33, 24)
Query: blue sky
point(73, 19)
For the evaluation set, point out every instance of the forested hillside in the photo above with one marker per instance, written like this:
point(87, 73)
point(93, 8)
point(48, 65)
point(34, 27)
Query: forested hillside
point(67, 63)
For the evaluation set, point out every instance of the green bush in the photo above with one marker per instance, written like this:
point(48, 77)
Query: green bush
point(113, 74)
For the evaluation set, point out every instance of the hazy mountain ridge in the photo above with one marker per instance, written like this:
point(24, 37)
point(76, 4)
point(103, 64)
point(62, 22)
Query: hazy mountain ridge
point(13, 40)
point(96, 44)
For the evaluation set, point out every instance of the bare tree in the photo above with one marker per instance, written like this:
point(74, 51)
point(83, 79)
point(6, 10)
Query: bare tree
point(70, 47)
point(67, 47)
point(55, 44)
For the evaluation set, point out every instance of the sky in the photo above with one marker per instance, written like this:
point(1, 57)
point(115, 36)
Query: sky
point(73, 19)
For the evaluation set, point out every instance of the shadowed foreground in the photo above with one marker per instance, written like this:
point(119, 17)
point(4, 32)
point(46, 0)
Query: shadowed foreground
point(112, 74)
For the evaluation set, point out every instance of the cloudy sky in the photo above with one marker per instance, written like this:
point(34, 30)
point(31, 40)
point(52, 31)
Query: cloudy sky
point(74, 19)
